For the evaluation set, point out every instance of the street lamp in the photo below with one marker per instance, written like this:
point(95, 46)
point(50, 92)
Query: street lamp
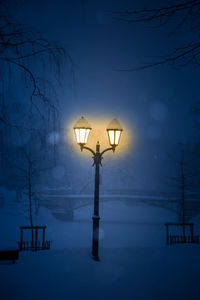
point(82, 129)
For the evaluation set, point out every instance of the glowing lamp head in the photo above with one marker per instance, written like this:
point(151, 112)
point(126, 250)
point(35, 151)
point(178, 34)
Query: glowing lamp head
point(82, 129)
point(114, 130)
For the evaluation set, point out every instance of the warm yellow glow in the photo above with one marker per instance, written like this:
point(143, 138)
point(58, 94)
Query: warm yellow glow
point(99, 132)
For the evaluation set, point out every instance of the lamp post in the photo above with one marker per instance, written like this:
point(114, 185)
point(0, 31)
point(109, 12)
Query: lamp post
point(82, 129)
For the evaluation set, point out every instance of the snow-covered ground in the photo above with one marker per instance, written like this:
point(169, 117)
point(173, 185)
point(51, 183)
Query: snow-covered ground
point(135, 262)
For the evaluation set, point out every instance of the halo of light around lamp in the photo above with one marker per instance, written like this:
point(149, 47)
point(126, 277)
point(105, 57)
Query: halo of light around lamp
point(114, 130)
point(82, 129)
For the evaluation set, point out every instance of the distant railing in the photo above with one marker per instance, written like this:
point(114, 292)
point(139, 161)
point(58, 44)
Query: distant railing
point(69, 200)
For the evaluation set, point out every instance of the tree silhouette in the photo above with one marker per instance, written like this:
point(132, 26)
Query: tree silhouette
point(184, 183)
point(20, 49)
point(183, 15)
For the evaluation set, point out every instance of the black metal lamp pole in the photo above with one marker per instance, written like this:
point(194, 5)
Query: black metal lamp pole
point(97, 157)
point(82, 129)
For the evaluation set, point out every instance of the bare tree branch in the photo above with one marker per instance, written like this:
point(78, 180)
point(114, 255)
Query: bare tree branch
point(18, 45)
point(185, 14)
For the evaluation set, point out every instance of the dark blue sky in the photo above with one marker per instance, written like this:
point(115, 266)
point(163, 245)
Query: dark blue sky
point(155, 105)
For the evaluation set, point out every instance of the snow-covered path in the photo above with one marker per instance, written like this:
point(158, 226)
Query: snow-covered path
point(127, 273)
point(135, 262)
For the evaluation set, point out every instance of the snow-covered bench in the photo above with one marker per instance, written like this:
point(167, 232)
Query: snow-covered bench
point(33, 243)
point(185, 237)
point(9, 255)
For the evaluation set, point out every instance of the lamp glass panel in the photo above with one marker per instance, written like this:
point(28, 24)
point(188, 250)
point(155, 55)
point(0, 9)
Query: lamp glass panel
point(82, 135)
point(77, 135)
point(117, 136)
point(111, 134)
point(82, 132)
point(86, 135)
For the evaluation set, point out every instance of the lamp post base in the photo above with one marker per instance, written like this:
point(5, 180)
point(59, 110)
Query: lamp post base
point(95, 258)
